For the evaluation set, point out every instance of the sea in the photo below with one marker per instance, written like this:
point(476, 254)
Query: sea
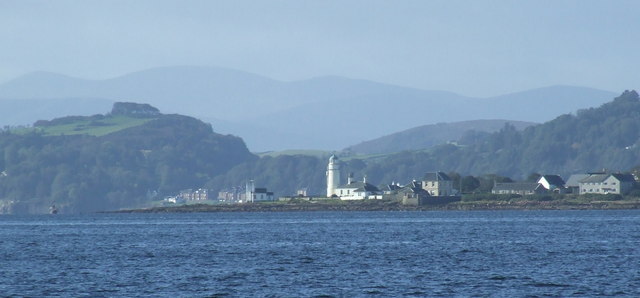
point(322, 254)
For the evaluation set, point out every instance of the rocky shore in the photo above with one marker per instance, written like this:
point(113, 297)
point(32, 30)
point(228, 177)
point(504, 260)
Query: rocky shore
point(379, 205)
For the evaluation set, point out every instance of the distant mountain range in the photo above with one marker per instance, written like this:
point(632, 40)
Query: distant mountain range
point(426, 136)
point(327, 113)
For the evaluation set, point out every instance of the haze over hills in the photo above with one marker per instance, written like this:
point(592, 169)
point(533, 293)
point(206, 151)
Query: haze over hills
point(426, 136)
point(322, 113)
point(27, 111)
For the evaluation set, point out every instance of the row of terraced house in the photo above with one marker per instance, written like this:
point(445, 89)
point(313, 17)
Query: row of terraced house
point(590, 183)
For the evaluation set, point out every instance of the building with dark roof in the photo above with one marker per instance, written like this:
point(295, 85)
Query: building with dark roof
point(573, 183)
point(412, 194)
point(607, 184)
point(390, 188)
point(438, 184)
point(358, 190)
point(257, 194)
point(553, 183)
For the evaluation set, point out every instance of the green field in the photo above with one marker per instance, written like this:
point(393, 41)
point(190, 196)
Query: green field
point(89, 126)
point(322, 154)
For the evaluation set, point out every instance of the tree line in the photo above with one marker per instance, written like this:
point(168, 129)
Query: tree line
point(81, 173)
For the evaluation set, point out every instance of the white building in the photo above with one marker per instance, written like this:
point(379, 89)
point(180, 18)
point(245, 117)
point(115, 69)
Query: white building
point(358, 190)
point(353, 190)
point(553, 183)
point(253, 194)
point(333, 175)
point(607, 184)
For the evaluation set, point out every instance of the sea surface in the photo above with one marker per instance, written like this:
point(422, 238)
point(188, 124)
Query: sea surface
point(342, 254)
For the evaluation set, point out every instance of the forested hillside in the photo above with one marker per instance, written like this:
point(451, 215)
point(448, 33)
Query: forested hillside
point(426, 136)
point(592, 139)
point(589, 140)
point(81, 172)
point(283, 174)
point(136, 154)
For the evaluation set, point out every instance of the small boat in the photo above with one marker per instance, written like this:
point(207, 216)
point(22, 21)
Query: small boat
point(53, 209)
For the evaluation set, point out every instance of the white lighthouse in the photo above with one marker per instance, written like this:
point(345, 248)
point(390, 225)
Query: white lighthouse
point(250, 191)
point(333, 175)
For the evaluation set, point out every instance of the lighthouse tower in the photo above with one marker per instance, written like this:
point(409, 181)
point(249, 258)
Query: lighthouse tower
point(249, 191)
point(333, 175)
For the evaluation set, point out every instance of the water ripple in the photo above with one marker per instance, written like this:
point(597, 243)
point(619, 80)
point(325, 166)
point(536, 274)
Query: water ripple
point(323, 254)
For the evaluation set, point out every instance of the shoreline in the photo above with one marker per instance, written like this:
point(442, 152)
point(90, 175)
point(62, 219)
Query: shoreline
point(390, 206)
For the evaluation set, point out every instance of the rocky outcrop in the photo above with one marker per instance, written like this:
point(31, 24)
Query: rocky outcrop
point(134, 109)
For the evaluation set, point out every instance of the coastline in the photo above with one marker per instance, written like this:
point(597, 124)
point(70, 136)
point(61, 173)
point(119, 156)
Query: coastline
point(371, 205)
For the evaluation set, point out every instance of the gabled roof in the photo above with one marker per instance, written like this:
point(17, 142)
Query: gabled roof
point(415, 190)
point(360, 186)
point(436, 176)
point(574, 180)
point(393, 187)
point(624, 177)
point(553, 180)
point(595, 178)
point(414, 184)
point(517, 186)
point(599, 178)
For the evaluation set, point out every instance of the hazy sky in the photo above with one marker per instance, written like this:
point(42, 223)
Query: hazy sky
point(477, 48)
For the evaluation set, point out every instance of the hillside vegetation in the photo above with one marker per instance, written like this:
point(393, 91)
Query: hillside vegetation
point(97, 125)
point(97, 170)
point(327, 113)
point(427, 136)
point(592, 139)
point(135, 154)
point(589, 140)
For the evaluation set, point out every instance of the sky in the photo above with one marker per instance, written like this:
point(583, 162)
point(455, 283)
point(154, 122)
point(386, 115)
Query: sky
point(474, 48)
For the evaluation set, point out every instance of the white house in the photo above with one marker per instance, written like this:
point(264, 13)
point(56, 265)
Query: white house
point(552, 183)
point(607, 184)
point(255, 194)
point(518, 188)
point(358, 190)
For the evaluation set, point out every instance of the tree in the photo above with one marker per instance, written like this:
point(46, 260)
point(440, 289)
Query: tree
point(533, 177)
point(470, 184)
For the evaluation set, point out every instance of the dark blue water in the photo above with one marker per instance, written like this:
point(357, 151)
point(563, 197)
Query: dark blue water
point(505, 253)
